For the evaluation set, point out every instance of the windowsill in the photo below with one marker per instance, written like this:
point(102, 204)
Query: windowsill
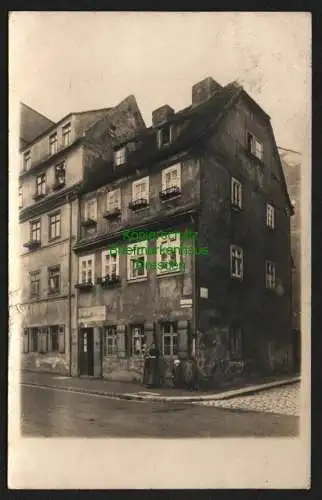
point(236, 208)
point(137, 280)
point(270, 229)
point(53, 293)
point(238, 278)
point(169, 274)
point(51, 240)
point(170, 198)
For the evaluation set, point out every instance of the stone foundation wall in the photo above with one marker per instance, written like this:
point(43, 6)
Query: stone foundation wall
point(45, 363)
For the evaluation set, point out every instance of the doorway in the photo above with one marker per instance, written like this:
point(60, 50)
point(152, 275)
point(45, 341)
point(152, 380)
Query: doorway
point(86, 358)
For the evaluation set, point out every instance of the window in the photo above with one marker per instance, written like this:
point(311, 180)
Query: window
point(66, 134)
point(236, 193)
point(113, 200)
point(270, 216)
point(169, 335)
point(91, 210)
point(236, 340)
point(138, 340)
point(140, 189)
point(54, 279)
point(20, 197)
point(60, 174)
point(54, 226)
point(270, 274)
point(137, 260)
point(164, 136)
point(86, 269)
point(53, 333)
point(120, 156)
point(168, 253)
point(110, 341)
point(254, 146)
point(25, 340)
point(171, 177)
point(41, 184)
point(35, 231)
point(27, 160)
point(35, 284)
point(53, 144)
point(236, 262)
point(110, 263)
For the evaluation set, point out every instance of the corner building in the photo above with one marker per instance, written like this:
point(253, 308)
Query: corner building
point(212, 169)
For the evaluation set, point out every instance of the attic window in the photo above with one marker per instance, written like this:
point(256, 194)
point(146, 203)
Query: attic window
point(164, 136)
point(254, 146)
point(120, 157)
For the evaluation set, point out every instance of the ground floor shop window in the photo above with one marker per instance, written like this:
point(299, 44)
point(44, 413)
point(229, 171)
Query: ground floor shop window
point(110, 341)
point(169, 336)
point(44, 339)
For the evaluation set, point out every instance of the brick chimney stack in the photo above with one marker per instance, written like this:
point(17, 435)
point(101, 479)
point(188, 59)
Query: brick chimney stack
point(201, 91)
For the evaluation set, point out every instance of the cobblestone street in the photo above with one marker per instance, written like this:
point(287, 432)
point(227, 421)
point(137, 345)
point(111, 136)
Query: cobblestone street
point(282, 400)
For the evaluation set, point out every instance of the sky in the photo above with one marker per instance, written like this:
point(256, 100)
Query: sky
point(60, 62)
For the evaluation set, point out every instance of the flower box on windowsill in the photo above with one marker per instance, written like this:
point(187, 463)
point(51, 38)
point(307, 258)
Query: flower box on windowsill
point(88, 285)
point(32, 245)
point(137, 204)
point(39, 196)
point(58, 185)
point(110, 280)
point(88, 223)
point(170, 192)
point(112, 214)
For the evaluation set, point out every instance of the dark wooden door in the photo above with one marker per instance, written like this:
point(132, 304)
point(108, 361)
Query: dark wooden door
point(86, 358)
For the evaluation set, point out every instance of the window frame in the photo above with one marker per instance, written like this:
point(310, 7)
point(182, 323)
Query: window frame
point(66, 132)
point(171, 335)
point(20, 197)
point(41, 186)
point(53, 141)
point(120, 156)
point(91, 201)
point(270, 278)
point(110, 333)
point(270, 216)
point(236, 194)
point(32, 281)
point(141, 337)
point(254, 142)
point(175, 167)
point(111, 255)
point(142, 180)
point(114, 192)
point(159, 135)
point(54, 272)
point(234, 249)
point(32, 223)
point(139, 256)
point(170, 242)
point(58, 168)
point(52, 224)
point(27, 160)
point(86, 258)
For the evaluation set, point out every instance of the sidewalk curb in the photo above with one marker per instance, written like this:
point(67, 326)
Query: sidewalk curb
point(184, 399)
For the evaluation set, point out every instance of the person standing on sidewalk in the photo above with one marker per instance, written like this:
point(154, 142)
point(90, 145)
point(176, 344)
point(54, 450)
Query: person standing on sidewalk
point(151, 369)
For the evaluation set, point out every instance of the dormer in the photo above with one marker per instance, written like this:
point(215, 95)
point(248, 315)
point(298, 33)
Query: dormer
point(160, 119)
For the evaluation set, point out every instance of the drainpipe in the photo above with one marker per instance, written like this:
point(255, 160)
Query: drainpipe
point(194, 295)
point(70, 285)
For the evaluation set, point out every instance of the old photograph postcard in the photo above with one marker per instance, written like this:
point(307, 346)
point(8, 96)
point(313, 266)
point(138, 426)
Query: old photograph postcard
point(160, 266)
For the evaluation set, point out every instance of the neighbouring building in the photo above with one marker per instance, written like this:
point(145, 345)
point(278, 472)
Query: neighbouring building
point(54, 157)
point(213, 171)
point(291, 161)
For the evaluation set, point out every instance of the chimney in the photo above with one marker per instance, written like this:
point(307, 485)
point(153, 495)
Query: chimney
point(161, 115)
point(201, 91)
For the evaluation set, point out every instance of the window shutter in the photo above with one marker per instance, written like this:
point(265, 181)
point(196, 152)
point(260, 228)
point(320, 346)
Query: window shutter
point(61, 339)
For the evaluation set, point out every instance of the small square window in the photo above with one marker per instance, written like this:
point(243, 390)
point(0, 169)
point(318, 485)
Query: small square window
point(254, 146)
point(236, 262)
point(270, 274)
point(140, 189)
point(120, 156)
point(164, 135)
point(236, 193)
point(270, 216)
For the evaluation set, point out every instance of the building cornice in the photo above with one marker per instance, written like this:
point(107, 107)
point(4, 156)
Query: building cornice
point(180, 213)
point(50, 203)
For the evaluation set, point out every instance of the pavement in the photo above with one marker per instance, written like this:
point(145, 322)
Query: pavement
point(137, 392)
